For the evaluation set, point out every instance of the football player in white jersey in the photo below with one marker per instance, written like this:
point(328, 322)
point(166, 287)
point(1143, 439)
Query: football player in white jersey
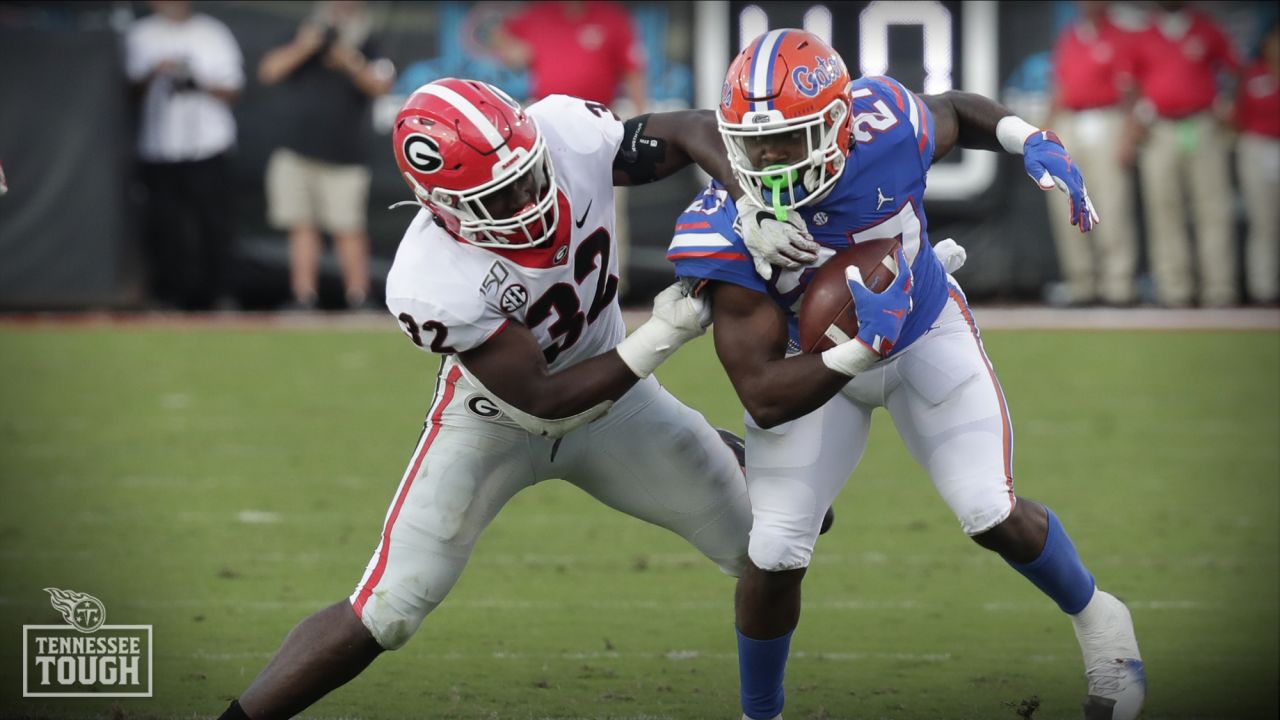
point(509, 272)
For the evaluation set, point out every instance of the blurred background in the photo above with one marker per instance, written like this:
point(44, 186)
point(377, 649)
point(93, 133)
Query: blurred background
point(152, 152)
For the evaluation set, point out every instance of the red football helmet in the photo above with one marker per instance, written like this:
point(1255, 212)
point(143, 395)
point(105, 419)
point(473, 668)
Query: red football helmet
point(787, 81)
point(477, 161)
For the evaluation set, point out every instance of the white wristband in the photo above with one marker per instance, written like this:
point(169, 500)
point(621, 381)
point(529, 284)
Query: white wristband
point(651, 344)
point(850, 358)
point(1012, 132)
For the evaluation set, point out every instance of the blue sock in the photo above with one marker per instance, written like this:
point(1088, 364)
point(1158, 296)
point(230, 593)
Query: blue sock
point(761, 664)
point(1058, 571)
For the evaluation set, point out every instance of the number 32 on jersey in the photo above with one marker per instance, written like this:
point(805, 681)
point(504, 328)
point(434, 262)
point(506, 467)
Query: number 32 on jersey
point(560, 305)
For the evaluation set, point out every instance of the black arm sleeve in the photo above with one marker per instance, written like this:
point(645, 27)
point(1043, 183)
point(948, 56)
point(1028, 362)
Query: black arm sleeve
point(640, 155)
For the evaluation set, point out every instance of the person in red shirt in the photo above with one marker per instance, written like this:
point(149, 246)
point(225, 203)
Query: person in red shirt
point(584, 49)
point(1257, 116)
point(1176, 63)
point(1091, 79)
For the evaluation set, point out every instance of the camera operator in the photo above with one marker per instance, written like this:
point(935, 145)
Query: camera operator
point(317, 180)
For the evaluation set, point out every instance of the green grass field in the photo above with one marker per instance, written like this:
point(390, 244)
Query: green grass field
point(222, 484)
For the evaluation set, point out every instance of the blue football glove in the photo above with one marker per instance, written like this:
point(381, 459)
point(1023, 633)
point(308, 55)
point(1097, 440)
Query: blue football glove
point(1048, 163)
point(880, 315)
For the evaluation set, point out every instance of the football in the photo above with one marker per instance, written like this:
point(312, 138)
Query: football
point(827, 316)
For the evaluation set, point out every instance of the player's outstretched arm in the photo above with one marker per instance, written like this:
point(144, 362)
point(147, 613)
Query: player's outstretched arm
point(974, 121)
point(751, 342)
point(512, 369)
point(659, 144)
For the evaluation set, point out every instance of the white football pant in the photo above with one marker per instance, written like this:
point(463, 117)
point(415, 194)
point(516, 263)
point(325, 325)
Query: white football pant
point(649, 457)
point(947, 405)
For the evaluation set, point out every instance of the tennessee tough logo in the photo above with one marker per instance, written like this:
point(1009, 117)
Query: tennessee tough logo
point(85, 657)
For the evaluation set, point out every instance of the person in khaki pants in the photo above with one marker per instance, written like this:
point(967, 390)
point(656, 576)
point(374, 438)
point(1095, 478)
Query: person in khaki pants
point(318, 178)
point(1258, 162)
point(1183, 161)
point(1090, 73)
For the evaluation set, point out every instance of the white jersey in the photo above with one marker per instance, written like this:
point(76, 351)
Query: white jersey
point(451, 297)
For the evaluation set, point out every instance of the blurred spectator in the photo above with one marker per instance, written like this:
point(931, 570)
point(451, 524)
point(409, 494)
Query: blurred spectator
point(584, 49)
point(1176, 62)
point(187, 69)
point(1090, 80)
point(1258, 161)
point(570, 47)
point(318, 179)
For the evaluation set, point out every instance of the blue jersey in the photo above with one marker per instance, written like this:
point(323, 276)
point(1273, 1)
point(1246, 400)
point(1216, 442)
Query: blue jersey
point(879, 195)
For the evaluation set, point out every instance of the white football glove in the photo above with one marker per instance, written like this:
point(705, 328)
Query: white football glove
point(677, 318)
point(951, 254)
point(771, 241)
point(688, 315)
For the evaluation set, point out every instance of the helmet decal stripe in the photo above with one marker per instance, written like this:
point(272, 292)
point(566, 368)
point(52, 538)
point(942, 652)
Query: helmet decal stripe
point(475, 117)
point(762, 68)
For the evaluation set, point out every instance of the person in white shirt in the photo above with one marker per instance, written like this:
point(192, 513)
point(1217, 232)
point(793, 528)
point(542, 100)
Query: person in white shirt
point(187, 70)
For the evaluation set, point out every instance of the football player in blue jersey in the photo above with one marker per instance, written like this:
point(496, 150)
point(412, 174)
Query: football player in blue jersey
point(824, 161)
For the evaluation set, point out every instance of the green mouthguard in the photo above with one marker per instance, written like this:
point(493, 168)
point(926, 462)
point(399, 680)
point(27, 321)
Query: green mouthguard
point(782, 179)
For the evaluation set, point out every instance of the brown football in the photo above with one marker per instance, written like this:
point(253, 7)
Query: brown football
point(826, 311)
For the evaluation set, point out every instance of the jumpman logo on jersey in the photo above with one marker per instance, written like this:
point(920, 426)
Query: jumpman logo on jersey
point(881, 199)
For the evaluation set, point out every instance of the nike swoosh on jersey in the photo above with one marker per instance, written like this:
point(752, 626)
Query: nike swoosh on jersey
point(580, 222)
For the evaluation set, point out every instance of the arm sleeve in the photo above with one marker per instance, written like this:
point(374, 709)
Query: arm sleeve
point(705, 245)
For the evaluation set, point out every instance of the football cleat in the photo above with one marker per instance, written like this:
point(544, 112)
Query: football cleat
point(1113, 665)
